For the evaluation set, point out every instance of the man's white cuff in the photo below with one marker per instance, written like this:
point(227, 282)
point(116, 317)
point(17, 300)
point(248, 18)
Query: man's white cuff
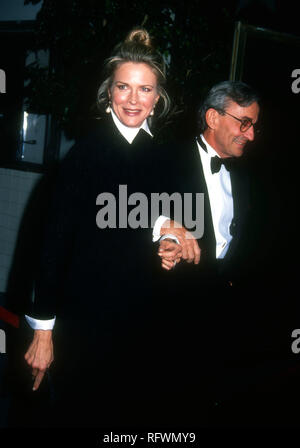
point(37, 324)
point(157, 226)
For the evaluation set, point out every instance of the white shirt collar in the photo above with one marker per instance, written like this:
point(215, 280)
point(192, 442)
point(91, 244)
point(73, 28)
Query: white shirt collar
point(129, 133)
point(210, 150)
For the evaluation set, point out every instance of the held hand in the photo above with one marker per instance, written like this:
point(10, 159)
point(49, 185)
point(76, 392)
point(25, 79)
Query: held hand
point(39, 355)
point(170, 253)
point(190, 247)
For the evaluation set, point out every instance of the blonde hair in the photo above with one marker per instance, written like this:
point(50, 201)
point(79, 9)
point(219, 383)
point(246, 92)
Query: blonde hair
point(139, 35)
point(137, 47)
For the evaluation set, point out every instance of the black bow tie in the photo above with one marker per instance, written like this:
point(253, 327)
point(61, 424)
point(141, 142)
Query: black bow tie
point(216, 162)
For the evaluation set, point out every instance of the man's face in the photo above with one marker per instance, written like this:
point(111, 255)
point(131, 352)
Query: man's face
point(229, 140)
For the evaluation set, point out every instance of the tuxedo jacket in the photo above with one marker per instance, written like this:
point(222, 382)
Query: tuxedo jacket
point(188, 177)
point(207, 303)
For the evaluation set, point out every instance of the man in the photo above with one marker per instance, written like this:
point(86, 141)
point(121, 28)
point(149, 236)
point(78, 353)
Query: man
point(212, 328)
point(227, 118)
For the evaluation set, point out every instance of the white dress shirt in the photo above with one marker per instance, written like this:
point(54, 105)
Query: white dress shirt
point(220, 198)
point(129, 134)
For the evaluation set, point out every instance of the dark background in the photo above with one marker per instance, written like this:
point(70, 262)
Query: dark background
point(196, 38)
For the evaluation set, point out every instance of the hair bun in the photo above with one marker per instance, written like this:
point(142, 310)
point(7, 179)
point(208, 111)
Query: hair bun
point(139, 35)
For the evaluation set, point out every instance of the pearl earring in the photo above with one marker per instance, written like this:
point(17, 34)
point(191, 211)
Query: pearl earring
point(152, 111)
point(108, 109)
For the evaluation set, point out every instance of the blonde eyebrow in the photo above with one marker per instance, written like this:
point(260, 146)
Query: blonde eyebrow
point(141, 85)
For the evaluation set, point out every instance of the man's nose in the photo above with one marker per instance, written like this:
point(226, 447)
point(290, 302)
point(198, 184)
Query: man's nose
point(250, 133)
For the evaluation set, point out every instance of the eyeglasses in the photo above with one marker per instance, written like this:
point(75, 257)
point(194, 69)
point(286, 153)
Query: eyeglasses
point(246, 123)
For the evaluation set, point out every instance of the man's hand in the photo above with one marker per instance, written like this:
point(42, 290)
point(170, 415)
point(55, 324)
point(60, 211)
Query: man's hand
point(170, 253)
point(39, 356)
point(189, 245)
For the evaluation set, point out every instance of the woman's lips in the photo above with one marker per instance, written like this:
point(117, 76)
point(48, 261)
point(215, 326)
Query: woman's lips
point(132, 112)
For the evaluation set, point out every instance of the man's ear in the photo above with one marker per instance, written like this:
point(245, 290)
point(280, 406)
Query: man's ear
point(212, 118)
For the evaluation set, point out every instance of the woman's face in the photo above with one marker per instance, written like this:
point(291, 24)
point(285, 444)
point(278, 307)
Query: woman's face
point(133, 93)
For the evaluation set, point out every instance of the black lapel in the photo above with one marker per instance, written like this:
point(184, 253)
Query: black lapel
point(208, 240)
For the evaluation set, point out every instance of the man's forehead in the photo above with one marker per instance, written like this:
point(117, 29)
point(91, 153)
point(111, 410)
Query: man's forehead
point(250, 111)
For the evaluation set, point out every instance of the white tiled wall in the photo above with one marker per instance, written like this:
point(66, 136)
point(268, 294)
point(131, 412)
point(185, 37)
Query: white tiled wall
point(15, 189)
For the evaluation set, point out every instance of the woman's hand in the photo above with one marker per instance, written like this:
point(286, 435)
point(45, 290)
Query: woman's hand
point(39, 356)
point(189, 245)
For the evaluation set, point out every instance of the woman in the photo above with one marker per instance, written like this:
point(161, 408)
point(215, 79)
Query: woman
point(95, 271)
